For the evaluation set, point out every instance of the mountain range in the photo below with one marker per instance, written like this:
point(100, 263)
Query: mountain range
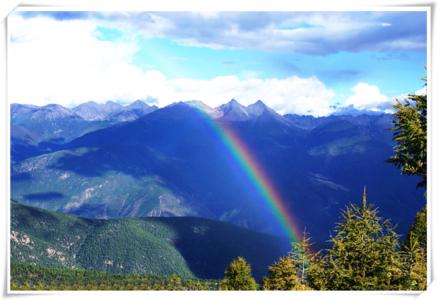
point(167, 162)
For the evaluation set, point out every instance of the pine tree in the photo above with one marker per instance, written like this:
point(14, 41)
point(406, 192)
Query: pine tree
point(238, 276)
point(364, 253)
point(282, 275)
point(410, 155)
point(410, 135)
point(291, 272)
point(301, 253)
point(310, 265)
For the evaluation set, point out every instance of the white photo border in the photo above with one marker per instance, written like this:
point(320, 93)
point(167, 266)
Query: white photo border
point(224, 5)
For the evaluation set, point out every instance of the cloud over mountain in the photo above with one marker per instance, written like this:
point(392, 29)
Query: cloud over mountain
point(69, 65)
point(368, 97)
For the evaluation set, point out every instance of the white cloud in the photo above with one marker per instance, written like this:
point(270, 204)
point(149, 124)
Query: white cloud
point(303, 32)
point(288, 95)
point(367, 96)
point(64, 62)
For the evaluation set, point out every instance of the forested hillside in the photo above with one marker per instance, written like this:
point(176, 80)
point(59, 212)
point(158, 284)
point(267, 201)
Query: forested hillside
point(189, 247)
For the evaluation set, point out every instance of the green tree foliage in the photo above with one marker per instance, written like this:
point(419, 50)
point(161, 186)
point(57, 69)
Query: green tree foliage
point(282, 275)
point(29, 277)
point(238, 276)
point(414, 254)
point(410, 135)
point(364, 253)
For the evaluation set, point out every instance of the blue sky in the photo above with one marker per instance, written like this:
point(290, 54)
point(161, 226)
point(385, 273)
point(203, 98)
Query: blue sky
point(298, 62)
point(395, 72)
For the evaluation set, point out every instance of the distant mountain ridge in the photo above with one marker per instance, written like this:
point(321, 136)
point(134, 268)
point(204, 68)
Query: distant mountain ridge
point(89, 111)
point(113, 111)
point(41, 129)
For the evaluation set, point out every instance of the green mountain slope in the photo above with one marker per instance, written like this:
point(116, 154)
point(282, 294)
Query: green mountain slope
point(186, 246)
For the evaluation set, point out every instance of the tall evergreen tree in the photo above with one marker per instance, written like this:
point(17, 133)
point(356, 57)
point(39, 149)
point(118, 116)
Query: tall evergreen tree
point(238, 276)
point(291, 272)
point(301, 253)
point(364, 253)
point(410, 155)
point(410, 135)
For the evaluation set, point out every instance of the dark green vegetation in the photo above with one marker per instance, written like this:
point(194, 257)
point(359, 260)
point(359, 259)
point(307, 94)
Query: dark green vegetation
point(29, 277)
point(188, 247)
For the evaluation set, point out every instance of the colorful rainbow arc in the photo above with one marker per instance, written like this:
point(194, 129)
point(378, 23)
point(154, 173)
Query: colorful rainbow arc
point(256, 175)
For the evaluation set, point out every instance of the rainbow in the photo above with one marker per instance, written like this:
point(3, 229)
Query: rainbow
point(254, 172)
